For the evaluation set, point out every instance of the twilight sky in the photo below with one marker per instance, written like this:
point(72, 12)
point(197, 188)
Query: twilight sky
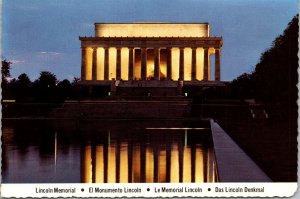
point(43, 35)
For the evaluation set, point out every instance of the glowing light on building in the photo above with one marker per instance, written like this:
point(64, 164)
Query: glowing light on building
point(112, 63)
point(100, 63)
point(89, 54)
point(150, 51)
point(175, 63)
point(124, 63)
point(152, 30)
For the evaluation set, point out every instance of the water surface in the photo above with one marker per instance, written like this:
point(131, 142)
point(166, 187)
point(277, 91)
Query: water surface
point(100, 151)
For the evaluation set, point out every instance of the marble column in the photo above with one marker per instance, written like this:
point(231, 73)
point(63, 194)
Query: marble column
point(83, 63)
point(206, 59)
point(217, 65)
point(106, 63)
point(94, 65)
point(194, 63)
point(169, 63)
point(130, 64)
point(118, 68)
point(156, 63)
point(181, 64)
point(144, 63)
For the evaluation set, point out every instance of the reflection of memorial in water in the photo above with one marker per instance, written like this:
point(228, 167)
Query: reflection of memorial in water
point(185, 157)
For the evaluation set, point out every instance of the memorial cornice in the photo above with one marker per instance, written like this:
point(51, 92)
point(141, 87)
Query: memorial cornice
point(150, 23)
point(151, 42)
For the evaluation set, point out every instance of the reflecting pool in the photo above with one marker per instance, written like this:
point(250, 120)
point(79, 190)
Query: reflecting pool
point(103, 151)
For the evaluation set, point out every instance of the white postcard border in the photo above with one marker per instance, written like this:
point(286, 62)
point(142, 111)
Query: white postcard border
point(150, 190)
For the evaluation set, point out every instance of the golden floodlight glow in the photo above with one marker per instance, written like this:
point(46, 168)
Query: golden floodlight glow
point(187, 64)
point(152, 30)
point(136, 164)
point(87, 167)
point(199, 164)
point(89, 61)
point(111, 172)
point(175, 63)
point(160, 43)
point(150, 64)
point(124, 63)
point(149, 164)
point(162, 166)
point(99, 164)
point(10, 101)
point(124, 163)
point(112, 63)
point(199, 63)
point(100, 64)
point(187, 177)
point(174, 177)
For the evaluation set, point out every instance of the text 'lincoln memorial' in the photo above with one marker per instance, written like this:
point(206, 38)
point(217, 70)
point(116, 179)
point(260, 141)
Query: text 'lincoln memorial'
point(154, 54)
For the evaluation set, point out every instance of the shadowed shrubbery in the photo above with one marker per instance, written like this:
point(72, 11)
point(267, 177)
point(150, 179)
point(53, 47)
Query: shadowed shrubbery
point(274, 80)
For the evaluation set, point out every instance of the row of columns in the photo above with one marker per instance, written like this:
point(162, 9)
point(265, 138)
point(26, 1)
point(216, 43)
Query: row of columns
point(179, 164)
point(156, 63)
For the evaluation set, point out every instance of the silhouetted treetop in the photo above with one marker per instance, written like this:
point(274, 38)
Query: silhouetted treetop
point(47, 79)
point(274, 80)
point(5, 68)
point(276, 73)
point(24, 79)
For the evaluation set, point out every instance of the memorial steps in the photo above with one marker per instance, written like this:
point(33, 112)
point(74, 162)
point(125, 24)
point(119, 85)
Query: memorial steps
point(124, 109)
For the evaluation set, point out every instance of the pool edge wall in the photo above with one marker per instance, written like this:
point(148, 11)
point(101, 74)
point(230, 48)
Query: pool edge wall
point(233, 164)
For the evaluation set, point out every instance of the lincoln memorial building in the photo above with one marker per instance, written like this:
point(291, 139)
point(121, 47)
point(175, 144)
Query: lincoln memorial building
point(151, 55)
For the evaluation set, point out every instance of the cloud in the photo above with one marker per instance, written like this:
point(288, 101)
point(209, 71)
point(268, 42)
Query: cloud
point(16, 62)
point(9, 78)
point(49, 53)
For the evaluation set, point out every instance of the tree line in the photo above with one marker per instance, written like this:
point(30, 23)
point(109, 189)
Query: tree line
point(274, 80)
point(47, 88)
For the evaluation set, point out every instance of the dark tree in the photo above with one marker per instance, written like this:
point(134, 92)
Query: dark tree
point(275, 77)
point(75, 81)
point(23, 79)
point(243, 87)
point(47, 79)
point(64, 89)
point(276, 74)
point(44, 88)
point(5, 85)
point(274, 80)
point(5, 69)
point(21, 87)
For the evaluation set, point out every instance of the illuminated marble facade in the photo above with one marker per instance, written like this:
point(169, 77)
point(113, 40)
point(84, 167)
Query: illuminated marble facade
point(150, 51)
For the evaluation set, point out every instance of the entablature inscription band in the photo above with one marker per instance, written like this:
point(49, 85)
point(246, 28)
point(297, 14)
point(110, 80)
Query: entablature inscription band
point(152, 42)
